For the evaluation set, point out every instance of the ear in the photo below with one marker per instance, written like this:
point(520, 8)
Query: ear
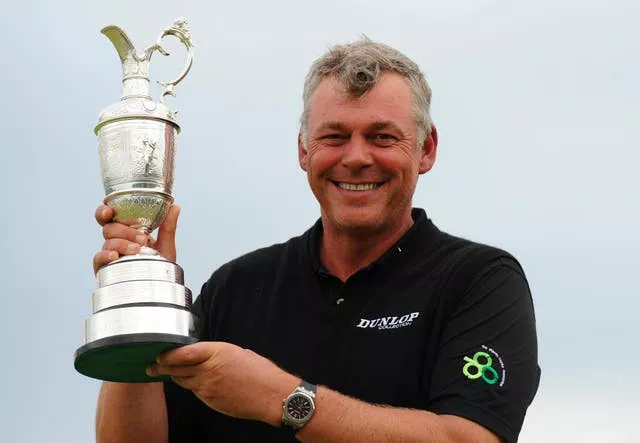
point(429, 150)
point(303, 155)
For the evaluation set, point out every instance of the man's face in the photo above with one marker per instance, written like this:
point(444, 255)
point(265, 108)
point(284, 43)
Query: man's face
point(361, 157)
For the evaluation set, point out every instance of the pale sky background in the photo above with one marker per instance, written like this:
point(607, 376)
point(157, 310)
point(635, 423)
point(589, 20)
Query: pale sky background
point(537, 105)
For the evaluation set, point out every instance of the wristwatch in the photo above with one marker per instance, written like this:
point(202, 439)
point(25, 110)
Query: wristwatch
point(299, 406)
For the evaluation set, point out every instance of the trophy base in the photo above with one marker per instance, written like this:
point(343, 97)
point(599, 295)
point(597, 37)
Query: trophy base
point(124, 358)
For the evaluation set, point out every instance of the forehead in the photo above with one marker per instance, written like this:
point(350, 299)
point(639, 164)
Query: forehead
point(389, 100)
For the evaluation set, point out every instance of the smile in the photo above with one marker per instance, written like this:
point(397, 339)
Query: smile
point(358, 186)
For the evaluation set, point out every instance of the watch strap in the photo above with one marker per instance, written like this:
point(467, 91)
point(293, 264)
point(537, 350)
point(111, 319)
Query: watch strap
point(308, 387)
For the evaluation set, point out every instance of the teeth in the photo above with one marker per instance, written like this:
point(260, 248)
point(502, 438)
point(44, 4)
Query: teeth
point(358, 187)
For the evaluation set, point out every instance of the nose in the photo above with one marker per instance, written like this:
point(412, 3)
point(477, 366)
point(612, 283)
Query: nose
point(356, 154)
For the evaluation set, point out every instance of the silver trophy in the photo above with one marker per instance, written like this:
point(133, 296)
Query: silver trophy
point(141, 307)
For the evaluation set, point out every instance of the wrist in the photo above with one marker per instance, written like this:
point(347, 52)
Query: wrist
point(282, 386)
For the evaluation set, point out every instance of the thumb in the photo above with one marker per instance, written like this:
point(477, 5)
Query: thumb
point(166, 242)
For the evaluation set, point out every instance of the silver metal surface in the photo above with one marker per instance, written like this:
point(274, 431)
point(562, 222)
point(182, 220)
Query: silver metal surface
point(135, 66)
point(140, 209)
point(139, 267)
point(149, 291)
point(137, 136)
point(138, 320)
point(150, 254)
point(137, 155)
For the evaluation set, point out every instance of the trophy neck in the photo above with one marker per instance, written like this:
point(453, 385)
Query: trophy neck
point(135, 77)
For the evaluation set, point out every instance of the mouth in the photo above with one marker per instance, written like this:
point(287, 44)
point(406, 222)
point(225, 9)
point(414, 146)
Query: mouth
point(358, 187)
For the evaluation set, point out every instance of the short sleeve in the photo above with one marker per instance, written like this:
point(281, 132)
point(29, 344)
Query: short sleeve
point(486, 368)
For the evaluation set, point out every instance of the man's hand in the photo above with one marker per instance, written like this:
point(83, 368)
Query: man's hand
point(124, 240)
point(229, 379)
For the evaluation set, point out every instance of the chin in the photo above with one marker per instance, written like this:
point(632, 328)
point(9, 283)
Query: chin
point(357, 222)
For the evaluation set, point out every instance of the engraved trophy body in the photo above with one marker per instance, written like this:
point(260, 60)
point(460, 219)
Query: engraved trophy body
point(141, 307)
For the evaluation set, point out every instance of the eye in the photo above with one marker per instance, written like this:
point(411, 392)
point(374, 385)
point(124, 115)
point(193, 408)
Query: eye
point(334, 138)
point(383, 139)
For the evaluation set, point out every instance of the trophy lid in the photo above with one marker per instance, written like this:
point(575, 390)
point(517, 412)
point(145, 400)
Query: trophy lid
point(137, 108)
point(136, 102)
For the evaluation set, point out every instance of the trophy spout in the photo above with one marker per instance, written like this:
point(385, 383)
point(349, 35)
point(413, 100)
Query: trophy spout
point(135, 68)
point(120, 41)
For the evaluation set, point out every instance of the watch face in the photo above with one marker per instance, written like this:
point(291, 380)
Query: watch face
point(298, 407)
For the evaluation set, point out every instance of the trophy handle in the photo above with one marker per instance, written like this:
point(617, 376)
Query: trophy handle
point(179, 29)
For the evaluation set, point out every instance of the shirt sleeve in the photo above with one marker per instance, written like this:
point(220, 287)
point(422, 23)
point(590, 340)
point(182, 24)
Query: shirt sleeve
point(487, 362)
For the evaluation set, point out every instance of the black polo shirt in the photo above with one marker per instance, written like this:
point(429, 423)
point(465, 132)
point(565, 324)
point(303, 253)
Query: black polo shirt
point(437, 323)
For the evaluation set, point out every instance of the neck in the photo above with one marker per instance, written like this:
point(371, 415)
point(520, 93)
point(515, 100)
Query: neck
point(343, 253)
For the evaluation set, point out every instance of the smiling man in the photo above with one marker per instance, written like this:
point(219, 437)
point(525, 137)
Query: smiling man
point(373, 325)
point(362, 156)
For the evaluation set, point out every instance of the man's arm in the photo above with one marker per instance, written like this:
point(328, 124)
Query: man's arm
point(339, 418)
point(243, 384)
point(131, 413)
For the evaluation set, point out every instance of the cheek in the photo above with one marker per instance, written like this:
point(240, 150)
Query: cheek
point(397, 163)
point(319, 162)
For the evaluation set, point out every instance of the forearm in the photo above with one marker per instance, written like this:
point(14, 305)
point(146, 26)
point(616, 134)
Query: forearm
point(339, 418)
point(131, 413)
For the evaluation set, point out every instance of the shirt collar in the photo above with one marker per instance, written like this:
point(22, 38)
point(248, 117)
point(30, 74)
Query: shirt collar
point(410, 244)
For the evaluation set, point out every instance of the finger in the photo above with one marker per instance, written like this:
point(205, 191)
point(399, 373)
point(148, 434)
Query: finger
point(104, 214)
point(102, 258)
point(155, 369)
point(187, 355)
point(185, 381)
point(189, 383)
point(118, 230)
point(166, 242)
point(122, 247)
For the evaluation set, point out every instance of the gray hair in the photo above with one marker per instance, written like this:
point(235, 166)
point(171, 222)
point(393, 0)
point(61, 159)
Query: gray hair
point(358, 67)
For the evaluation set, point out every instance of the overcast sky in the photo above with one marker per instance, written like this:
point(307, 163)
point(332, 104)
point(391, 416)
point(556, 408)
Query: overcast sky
point(537, 106)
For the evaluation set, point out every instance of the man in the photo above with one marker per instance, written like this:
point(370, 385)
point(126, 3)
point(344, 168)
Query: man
point(373, 325)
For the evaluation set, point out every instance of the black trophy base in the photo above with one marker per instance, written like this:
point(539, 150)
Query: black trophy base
point(124, 358)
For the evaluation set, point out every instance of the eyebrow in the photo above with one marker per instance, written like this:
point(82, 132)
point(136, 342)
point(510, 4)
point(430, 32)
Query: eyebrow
point(376, 126)
point(334, 126)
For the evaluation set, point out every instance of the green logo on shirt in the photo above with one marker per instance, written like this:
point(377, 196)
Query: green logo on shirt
point(481, 366)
